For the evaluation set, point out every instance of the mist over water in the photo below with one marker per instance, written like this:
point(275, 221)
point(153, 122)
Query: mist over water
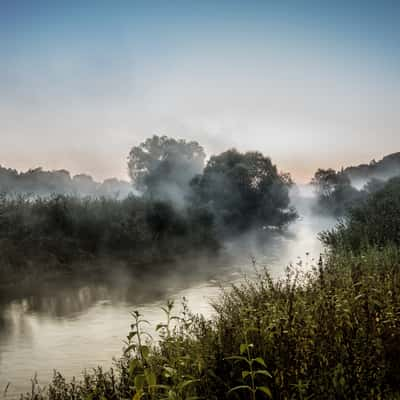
point(158, 151)
point(74, 324)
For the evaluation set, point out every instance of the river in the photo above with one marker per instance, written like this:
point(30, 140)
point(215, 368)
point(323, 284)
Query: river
point(72, 325)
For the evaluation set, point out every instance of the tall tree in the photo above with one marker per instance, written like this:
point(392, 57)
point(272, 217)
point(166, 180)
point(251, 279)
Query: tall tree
point(162, 167)
point(244, 190)
point(335, 194)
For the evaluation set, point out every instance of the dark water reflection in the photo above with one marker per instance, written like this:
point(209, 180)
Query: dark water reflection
point(74, 323)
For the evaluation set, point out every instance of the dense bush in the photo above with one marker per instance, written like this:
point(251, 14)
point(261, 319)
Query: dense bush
point(375, 222)
point(62, 229)
point(332, 333)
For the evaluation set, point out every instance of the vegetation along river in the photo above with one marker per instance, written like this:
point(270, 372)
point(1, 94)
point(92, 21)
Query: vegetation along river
point(72, 324)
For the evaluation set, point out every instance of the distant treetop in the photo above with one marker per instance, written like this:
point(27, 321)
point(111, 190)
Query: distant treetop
point(38, 182)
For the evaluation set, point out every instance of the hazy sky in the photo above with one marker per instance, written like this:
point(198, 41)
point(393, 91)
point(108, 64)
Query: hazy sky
point(311, 84)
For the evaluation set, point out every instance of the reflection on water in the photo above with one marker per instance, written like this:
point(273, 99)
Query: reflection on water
point(73, 325)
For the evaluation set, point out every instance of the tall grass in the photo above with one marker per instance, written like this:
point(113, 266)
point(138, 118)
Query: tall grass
point(62, 232)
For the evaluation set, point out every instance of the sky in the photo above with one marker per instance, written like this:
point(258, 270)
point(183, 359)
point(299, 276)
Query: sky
point(309, 83)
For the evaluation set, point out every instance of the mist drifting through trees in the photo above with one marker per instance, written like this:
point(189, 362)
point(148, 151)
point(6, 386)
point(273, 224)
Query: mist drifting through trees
point(206, 204)
point(182, 205)
point(178, 205)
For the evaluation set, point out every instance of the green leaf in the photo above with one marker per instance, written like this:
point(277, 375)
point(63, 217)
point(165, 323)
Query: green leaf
point(162, 387)
point(261, 361)
point(139, 382)
point(150, 377)
point(263, 372)
point(245, 374)
point(138, 395)
point(241, 387)
point(144, 350)
point(265, 390)
point(243, 348)
point(187, 383)
point(133, 364)
point(172, 395)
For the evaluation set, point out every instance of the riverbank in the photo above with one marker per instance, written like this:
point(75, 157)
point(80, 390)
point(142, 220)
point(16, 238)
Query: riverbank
point(332, 332)
point(47, 235)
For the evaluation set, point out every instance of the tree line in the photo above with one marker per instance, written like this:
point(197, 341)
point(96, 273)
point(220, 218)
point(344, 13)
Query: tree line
point(338, 191)
point(329, 332)
point(38, 182)
point(182, 205)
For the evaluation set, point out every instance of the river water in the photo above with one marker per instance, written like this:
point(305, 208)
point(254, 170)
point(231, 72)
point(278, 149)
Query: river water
point(71, 325)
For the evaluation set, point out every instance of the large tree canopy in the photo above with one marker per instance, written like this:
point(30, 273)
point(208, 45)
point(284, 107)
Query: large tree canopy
point(244, 190)
point(162, 167)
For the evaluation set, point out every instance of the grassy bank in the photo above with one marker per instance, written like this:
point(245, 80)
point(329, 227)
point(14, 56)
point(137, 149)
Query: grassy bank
point(330, 333)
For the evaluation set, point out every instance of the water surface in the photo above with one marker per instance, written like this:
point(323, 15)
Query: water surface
point(71, 325)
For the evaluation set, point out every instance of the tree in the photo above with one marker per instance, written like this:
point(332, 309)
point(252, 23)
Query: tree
point(162, 167)
point(325, 181)
point(373, 222)
point(244, 190)
point(335, 192)
point(374, 185)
